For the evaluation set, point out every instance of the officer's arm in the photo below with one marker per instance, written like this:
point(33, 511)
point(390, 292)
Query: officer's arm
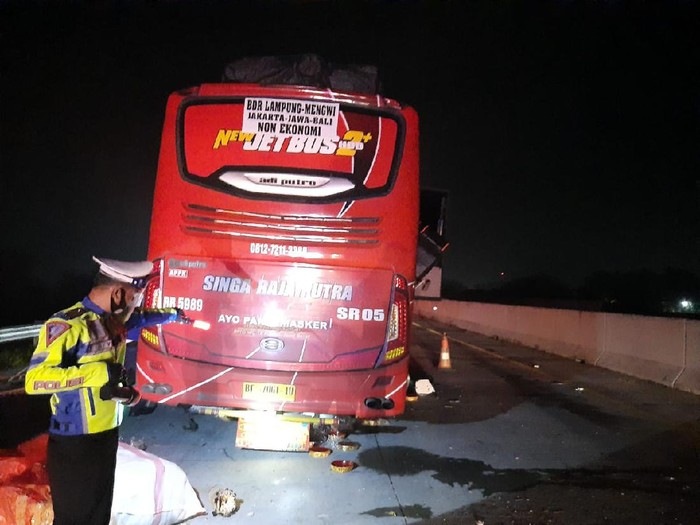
point(46, 376)
point(143, 317)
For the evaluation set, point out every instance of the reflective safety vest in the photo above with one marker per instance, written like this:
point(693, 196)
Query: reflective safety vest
point(70, 363)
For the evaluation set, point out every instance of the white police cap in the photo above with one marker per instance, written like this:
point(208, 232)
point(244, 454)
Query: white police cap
point(134, 273)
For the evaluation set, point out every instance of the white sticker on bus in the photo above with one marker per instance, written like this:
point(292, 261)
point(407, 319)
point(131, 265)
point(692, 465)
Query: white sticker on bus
point(359, 314)
point(309, 118)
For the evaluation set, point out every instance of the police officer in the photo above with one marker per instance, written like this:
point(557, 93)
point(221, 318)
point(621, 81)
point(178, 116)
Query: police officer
point(79, 361)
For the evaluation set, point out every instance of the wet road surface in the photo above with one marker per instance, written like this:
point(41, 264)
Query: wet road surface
point(511, 436)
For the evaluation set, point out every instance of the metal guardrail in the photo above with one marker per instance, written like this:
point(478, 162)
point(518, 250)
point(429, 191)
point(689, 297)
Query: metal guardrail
point(11, 385)
point(17, 333)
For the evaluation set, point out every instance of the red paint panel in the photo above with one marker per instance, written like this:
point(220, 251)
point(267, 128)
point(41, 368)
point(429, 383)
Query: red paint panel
point(271, 315)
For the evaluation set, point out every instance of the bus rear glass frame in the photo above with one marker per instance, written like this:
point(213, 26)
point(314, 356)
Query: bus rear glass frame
point(359, 192)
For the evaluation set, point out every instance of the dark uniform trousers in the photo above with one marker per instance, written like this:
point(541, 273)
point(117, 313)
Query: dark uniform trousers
point(81, 476)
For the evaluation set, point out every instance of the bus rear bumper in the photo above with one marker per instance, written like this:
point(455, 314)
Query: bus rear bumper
point(364, 394)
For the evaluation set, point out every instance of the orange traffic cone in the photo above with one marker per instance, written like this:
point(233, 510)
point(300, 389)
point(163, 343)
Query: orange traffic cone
point(445, 353)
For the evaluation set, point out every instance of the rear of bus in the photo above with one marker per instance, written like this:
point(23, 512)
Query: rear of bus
point(286, 217)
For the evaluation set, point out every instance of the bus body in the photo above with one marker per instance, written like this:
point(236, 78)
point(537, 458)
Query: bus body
point(286, 217)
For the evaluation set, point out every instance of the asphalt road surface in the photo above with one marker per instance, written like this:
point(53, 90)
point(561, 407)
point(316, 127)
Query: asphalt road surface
point(510, 436)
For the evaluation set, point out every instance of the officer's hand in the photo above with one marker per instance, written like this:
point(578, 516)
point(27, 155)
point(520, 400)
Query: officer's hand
point(134, 397)
point(182, 317)
point(126, 395)
point(115, 372)
point(107, 391)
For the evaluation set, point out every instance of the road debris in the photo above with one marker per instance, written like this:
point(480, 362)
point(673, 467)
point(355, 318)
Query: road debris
point(424, 387)
point(342, 466)
point(191, 425)
point(319, 452)
point(347, 446)
point(225, 503)
point(374, 422)
point(335, 435)
point(137, 443)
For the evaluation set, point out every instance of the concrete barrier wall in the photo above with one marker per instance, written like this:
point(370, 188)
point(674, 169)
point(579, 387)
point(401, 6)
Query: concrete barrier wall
point(658, 349)
point(689, 379)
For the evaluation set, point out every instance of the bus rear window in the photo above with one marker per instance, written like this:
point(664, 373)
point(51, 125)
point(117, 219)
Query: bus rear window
point(287, 149)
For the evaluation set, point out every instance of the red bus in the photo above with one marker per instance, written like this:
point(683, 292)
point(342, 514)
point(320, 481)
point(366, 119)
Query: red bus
point(286, 216)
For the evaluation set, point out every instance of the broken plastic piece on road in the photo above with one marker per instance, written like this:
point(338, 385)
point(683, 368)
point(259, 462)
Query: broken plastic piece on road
point(336, 435)
point(374, 422)
point(137, 443)
point(424, 387)
point(347, 446)
point(342, 465)
point(319, 452)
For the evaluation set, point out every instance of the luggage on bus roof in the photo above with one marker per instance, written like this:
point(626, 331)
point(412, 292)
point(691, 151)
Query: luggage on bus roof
point(304, 70)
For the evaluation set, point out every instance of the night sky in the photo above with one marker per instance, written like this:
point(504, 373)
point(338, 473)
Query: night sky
point(566, 133)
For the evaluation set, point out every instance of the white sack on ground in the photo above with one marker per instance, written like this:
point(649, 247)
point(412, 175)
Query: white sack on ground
point(149, 490)
point(424, 387)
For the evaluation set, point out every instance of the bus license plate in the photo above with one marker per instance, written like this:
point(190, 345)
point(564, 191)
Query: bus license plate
point(268, 392)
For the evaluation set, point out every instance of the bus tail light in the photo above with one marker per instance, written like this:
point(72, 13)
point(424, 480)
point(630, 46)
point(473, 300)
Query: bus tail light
point(152, 299)
point(152, 293)
point(397, 330)
point(149, 335)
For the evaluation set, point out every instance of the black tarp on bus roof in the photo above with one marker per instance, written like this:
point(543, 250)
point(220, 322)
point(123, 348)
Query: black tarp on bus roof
point(304, 70)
